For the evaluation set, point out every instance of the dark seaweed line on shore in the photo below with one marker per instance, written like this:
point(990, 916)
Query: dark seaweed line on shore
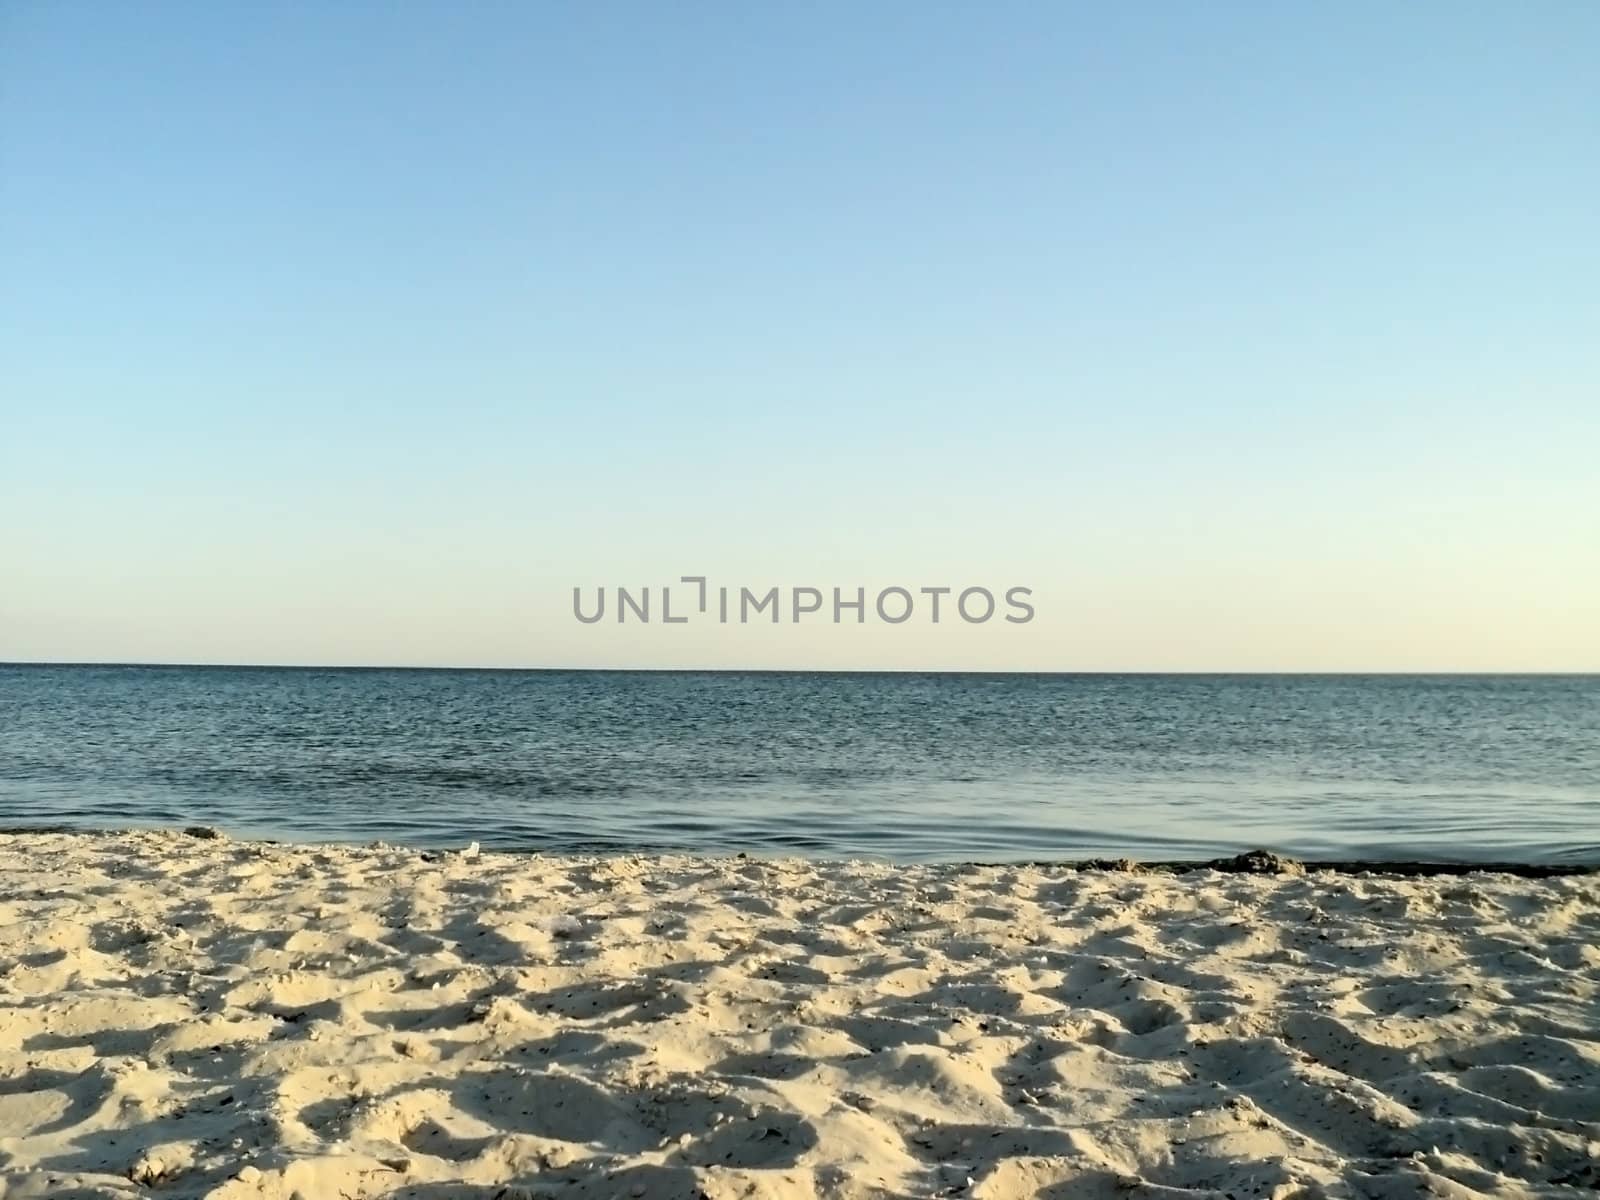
point(1264, 862)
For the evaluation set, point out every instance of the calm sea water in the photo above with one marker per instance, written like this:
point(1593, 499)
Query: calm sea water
point(899, 766)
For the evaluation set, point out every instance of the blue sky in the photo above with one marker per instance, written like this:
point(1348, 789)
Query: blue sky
point(1250, 336)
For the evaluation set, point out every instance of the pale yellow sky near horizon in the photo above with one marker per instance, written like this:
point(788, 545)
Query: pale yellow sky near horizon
point(1253, 574)
point(1214, 615)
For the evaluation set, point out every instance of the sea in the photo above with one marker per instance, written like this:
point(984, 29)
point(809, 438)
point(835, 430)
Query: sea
point(906, 767)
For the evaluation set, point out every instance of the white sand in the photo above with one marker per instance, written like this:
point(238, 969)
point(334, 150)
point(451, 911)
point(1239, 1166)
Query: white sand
point(182, 1017)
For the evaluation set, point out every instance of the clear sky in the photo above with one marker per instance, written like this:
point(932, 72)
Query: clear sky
point(1249, 336)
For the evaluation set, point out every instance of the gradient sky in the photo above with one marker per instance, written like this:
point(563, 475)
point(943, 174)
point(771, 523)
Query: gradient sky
point(1250, 336)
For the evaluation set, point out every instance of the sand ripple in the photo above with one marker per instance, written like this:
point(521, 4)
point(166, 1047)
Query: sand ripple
point(185, 1017)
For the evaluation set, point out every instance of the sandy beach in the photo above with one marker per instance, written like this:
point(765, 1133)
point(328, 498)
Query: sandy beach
point(186, 1016)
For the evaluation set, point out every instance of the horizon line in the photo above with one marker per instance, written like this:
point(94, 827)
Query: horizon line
point(244, 666)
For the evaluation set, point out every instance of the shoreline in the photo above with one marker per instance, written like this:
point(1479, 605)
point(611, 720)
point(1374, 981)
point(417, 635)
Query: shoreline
point(201, 1017)
point(1247, 862)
